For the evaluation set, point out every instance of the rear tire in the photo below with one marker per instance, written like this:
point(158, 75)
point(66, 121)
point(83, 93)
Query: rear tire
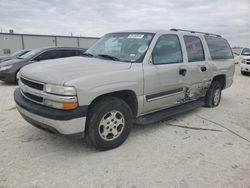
point(109, 123)
point(213, 95)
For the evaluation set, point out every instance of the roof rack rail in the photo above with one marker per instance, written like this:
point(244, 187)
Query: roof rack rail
point(195, 32)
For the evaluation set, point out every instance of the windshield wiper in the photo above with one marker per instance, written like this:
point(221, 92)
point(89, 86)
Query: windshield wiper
point(109, 57)
point(88, 54)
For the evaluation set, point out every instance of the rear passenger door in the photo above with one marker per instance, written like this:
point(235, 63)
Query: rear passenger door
point(199, 73)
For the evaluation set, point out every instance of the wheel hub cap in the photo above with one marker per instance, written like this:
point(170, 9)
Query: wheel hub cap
point(216, 96)
point(111, 125)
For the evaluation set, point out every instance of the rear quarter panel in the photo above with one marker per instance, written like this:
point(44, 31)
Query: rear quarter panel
point(220, 66)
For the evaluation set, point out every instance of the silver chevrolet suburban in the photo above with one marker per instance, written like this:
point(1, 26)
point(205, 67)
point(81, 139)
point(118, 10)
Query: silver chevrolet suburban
point(126, 78)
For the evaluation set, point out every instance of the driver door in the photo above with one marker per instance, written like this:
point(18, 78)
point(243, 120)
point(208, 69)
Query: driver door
point(165, 77)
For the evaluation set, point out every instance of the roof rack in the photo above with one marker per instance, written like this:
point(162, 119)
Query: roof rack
point(195, 32)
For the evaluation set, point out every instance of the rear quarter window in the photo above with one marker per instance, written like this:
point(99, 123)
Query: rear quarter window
point(219, 48)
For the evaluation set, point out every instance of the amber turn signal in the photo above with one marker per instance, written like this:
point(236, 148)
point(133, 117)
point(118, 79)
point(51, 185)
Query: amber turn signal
point(70, 106)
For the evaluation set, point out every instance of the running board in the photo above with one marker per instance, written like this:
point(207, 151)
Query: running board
point(169, 112)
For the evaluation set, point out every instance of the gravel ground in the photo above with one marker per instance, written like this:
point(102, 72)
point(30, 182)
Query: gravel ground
point(159, 155)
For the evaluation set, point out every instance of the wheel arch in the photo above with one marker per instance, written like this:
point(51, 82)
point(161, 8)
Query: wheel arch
point(220, 78)
point(129, 96)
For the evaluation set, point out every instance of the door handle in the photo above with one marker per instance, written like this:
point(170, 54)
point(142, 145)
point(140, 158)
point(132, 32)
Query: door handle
point(183, 72)
point(203, 69)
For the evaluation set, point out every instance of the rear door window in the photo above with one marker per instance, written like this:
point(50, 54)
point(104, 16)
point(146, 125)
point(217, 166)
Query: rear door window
point(194, 48)
point(219, 48)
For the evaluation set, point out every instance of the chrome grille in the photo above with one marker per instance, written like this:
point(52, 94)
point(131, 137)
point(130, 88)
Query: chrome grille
point(34, 91)
point(31, 89)
point(32, 84)
point(33, 97)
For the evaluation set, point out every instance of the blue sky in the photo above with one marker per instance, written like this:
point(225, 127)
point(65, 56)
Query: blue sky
point(229, 18)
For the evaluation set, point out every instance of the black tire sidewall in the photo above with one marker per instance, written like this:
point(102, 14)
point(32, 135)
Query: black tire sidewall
point(209, 99)
point(245, 73)
point(96, 114)
point(216, 86)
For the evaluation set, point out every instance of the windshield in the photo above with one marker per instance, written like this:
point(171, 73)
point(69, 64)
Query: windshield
point(130, 47)
point(245, 51)
point(30, 54)
point(19, 53)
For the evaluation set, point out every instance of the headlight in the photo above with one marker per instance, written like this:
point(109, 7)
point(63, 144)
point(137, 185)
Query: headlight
point(5, 67)
point(60, 105)
point(243, 61)
point(60, 90)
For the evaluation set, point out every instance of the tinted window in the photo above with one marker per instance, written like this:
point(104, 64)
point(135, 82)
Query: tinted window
point(245, 50)
point(69, 53)
point(194, 49)
point(219, 48)
point(167, 50)
point(51, 54)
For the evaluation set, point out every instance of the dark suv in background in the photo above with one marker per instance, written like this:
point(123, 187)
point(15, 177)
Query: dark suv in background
point(9, 69)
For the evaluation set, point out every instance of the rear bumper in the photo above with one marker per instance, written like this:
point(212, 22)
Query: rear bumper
point(244, 67)
point(52, 120)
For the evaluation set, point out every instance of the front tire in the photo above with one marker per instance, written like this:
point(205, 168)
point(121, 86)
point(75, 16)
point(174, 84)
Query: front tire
point(109, 123)
point(213, 95)
point(244, 73)
point(17, 76)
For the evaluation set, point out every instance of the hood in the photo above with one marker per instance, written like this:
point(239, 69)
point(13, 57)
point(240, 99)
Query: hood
point(4, 56)
point(12, 61)
point(59, 71)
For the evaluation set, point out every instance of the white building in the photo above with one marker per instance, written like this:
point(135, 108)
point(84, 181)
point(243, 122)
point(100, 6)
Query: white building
point(12, 42)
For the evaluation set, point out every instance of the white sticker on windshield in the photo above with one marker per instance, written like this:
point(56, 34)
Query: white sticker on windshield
point(135, 36)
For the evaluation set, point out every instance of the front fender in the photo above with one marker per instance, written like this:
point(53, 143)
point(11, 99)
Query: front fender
point(90, 87)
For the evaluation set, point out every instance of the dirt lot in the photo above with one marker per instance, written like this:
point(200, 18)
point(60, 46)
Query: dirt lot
point(160, 155)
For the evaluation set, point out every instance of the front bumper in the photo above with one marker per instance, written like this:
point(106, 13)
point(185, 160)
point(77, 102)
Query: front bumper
point(7, 76)
point(70, 122)
point(244, 67)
